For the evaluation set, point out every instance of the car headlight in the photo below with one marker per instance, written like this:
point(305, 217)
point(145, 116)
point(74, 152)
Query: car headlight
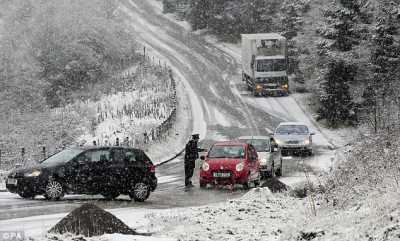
point(240, 167)
point(205, 166)
point(263, 161)
point(307, 141)
point(285, 86)
point(259, 87)
point(35, 173)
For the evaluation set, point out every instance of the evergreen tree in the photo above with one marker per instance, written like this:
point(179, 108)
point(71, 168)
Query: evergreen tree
point(199, 13)
point(291, 24)
point(168, 6)
point(336, 103)
point(385, 57)
point(340, 28)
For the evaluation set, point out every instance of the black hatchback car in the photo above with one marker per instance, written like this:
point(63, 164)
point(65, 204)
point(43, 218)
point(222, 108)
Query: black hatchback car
point(109, 171)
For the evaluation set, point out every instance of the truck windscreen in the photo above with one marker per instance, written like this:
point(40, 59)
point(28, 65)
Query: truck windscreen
point(269, 65)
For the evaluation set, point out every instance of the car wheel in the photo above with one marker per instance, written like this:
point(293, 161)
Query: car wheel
point(111, 195)
point(54, 190)
point(140, 192)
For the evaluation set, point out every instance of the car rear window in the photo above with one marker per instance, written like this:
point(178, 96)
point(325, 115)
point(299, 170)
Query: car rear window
point(135, 155)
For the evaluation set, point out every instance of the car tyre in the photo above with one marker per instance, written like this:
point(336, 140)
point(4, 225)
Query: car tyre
point(54, 190)
point(140, 192)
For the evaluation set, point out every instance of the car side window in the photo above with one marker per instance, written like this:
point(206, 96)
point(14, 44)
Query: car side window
point(98, 155)
point(130, 156)
point(118, 155)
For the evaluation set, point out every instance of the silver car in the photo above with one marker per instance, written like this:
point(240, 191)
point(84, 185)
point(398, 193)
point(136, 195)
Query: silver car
point(266, 154)
point(293, 137)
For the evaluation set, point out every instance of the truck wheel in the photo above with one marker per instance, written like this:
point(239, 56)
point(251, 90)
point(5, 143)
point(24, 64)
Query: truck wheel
point(255, 94)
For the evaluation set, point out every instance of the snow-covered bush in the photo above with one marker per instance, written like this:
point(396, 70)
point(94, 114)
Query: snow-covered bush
point(371, 164)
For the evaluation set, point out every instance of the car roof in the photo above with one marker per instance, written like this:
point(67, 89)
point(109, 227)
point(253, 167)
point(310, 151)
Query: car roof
point(230, 143)
point(86, 148)
point(254, 137)
point(292, 123)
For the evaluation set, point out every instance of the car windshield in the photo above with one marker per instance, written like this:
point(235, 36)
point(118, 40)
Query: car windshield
point(62, 157)
point(292, 129)
point(269, 65)
point(226, 152)
point(261, 145)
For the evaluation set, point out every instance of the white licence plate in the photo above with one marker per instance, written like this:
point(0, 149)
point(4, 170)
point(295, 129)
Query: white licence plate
point(12, 181)
point(222, 174)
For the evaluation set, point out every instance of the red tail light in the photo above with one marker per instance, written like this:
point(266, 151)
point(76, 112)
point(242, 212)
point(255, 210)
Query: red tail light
point(152, 168)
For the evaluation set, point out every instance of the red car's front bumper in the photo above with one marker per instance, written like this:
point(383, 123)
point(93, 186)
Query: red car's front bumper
point(235, 177)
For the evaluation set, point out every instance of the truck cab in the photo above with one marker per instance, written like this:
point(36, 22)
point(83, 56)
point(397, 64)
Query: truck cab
point(264, 63)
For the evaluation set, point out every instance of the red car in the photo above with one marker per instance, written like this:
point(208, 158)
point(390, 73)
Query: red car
point(229, 163)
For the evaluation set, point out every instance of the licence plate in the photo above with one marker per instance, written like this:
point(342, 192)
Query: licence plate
point(222, 174)
point(12, 181)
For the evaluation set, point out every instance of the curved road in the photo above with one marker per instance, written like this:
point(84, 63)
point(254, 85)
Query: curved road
point(221, 109)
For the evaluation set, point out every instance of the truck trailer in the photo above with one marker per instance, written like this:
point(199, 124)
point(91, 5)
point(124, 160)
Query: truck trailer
point(264, 64)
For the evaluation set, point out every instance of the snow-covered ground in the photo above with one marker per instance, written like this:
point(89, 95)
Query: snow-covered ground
point(259, 215)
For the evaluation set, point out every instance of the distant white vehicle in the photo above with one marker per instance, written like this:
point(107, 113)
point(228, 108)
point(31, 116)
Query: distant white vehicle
point(269, 163)
point(264, 63)
point(293, 137)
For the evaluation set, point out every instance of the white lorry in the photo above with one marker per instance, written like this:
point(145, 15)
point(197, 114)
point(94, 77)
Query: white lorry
point(264, 63)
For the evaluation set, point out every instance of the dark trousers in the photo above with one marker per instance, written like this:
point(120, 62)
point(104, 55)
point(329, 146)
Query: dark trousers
point(189, 170)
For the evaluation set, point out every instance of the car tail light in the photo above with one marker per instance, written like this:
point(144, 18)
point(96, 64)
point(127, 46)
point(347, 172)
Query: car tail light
point(152, 168)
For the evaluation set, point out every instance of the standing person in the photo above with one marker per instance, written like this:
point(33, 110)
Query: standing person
point(191, 154)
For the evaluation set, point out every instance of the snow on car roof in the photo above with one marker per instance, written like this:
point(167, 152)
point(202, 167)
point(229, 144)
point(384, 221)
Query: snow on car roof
point(263, 36)
point(292, 124)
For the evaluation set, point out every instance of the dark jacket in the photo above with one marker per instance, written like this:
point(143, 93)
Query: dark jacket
point(191, 151)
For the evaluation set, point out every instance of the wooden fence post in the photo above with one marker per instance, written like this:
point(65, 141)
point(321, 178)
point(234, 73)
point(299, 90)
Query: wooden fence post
point(44, 152)
point(23, 154)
